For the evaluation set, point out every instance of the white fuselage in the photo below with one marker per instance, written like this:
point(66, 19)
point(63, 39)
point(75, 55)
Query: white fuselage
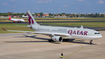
point(57, 33)
point(12, 19)
point(81, 33)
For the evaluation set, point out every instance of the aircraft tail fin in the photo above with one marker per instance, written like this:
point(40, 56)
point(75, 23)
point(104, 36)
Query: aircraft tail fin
point(9, 17)
point(31, 19)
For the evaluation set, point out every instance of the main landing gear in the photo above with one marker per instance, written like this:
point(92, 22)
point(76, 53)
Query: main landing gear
point(50, 40)
point(90, 42)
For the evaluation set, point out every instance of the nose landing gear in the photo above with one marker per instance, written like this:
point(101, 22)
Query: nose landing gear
point(90, 42)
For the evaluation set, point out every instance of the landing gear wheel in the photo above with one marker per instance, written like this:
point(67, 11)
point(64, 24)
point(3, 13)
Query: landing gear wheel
point(90, 42)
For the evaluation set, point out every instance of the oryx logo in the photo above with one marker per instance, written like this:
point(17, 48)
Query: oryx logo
point(30, 19)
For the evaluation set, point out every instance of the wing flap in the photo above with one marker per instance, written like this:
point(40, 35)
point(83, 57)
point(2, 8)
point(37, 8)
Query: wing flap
point(53, 33)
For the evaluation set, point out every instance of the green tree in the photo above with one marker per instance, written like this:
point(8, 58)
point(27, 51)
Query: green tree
point(41, 14)
point(50, 15)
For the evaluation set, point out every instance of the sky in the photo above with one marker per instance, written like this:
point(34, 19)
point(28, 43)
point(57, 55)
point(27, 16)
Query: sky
point(53, 6)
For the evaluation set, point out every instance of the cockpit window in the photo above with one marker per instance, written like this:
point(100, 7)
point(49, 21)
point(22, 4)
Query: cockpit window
point(96, 33)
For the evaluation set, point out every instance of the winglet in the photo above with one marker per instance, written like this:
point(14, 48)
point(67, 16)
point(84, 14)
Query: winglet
point(9, 17)
point(4, 29)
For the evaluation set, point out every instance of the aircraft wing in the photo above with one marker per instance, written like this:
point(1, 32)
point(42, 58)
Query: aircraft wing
point(53, 33)
point(37, 32)
point(18, 31)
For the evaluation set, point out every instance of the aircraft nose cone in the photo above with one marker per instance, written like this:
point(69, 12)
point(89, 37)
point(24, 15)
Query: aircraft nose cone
point(100, 36)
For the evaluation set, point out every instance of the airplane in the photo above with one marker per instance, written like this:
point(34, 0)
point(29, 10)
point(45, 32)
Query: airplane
point(16, 20)
point(57, 34)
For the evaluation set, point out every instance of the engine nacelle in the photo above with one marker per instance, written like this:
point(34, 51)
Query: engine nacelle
point(57, 38)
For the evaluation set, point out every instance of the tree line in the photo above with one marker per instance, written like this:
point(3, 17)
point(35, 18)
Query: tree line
point(59, 14)
point(78, 15)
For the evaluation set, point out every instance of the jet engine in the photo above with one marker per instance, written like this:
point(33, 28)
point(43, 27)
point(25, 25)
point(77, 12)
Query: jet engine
point(57, 38)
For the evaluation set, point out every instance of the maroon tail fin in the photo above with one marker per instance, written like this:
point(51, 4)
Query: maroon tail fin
point(31, 19)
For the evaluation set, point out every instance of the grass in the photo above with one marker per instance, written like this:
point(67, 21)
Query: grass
point(59, 18)
point(55, 20)
point(87, 24)
point(22, 28)
point(13, 27)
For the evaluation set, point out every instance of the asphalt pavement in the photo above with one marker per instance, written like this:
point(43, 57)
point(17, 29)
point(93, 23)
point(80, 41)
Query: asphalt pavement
point(32, 46)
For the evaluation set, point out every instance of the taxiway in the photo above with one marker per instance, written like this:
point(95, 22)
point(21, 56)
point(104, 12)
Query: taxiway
point(32, 46)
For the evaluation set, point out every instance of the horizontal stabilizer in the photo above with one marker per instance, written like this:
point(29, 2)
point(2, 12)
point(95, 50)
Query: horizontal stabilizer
point(4, 29)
